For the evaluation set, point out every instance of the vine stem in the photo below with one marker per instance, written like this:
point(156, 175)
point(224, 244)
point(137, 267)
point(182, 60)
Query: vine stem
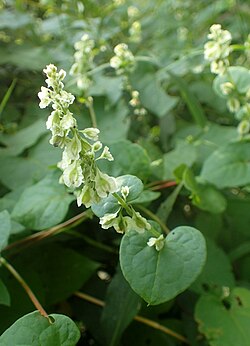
point(154, 217)
point(92, 112)
point(25, 286)
point(74, 221)
point(137, 318)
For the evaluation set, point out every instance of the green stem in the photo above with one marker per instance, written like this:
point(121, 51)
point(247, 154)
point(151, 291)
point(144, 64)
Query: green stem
point(92, 112)
point(129, 210)
point(93, 242)
point(7, 95)
point(236, 47)
point(98, 69)
point(123, 204)
point(25, 286)
point(154, 217)
point(71, 223)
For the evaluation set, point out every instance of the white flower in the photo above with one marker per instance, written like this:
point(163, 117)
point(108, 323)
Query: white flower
point(115, 62)
point(44, 96)
point(91, 133)
point(73, 148)
point(97, 146)
point(157, 242)
point(227, 88)
point(106, 154)
point(140, 222)
point(104, 184)
point(50, 69)
point(87, 196)
point(243, 127)
point(108, 220)
point(72, 175)
point(233, 105)
point(53, 120)
point(125, 191)
point(68, 121)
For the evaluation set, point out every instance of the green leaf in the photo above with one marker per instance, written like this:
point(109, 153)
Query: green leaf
point(4, 294)
point(49, 264)
point(5, 228)
point(158, 276)
point(239, 76)
point(35, 330)
point(225, 322)
point(110, 204)
point(153, 96)
point(184, 153)
point(129, 158)
point(229, 166)
point(121, 305)
point(216, 272)
point(16, 143)
point(192, 102)
point(209, 199)
point(42, 205)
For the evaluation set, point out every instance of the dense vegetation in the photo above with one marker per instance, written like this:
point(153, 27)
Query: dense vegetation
point(125, 175)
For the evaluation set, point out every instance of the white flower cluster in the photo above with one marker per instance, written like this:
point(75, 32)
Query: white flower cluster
point(84, 57)
point(218, 49)
point(123, 61)
point(136, 103)
point(125, 223)
point(80, 171)
point(239, 105)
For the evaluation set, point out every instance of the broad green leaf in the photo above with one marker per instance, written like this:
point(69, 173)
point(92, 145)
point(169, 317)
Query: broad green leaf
point(209, 199)
point(154, 97)
point(35, 330)
point(216, 272)
point(110, 204)
point(238, 215)
point(192, 102)
point(225, 324)
point(49, 264)
point(42, 205)
point(16, 143)
point(113, 122)
point(147, 196)
point(121, 305)
point(109, 86)
point(238, 75)
point(158, 276)
point(129, 158)
point(229, 166)
point(4, 294)
point(5, 228)
point(184, 153)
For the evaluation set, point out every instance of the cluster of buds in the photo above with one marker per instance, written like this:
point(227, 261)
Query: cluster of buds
point(239, 105)
point(217, 50)
point(80, 148)
point(135, 32)
point(122, 223)
point(123, 61)
point(136, 103)
point(84, 57)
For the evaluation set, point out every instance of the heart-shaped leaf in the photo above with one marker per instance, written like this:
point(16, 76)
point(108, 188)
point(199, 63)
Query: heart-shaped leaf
point(34, 329)
point(225, 322)
point(110, 204)
point(158, 276)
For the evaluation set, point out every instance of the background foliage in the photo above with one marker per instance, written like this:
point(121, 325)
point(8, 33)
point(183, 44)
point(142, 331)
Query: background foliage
point(187, 135)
